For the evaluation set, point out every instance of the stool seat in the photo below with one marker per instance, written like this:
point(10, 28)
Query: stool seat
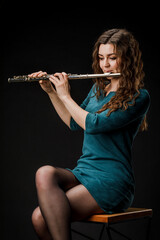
point(130, 213)
point(108, 219)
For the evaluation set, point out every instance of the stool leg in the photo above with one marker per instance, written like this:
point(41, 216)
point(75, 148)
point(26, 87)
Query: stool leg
point(149, 228)
point(100, 236)
point(79, 233)
point(119, 233)
point(108, 232)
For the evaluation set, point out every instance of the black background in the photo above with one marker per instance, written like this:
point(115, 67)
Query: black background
point(57, 37)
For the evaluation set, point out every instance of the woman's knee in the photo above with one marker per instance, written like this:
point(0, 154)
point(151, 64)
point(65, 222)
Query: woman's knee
point(37, 219)
point(45, 176)
point(40, 225)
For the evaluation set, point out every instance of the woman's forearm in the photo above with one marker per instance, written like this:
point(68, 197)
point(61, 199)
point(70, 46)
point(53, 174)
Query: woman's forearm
point(70, 107)
point(60, 108)
point(77, 113)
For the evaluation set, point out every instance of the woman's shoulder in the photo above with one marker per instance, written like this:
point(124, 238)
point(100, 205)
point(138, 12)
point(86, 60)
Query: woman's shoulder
point(144, 94)
point(143, 98)
point(144, 91)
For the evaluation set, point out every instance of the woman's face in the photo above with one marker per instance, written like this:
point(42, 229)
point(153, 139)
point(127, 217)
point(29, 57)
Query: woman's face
point(108, 59)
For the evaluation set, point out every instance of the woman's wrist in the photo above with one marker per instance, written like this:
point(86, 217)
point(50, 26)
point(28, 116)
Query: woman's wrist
point(65, 98)
point(52, 93)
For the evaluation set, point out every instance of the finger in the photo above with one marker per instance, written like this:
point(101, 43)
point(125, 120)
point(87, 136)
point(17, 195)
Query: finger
point(54, 79)
point(41, 74)
point(34, 74)
point(43, 81)
point(60, 76)
point(65, 75)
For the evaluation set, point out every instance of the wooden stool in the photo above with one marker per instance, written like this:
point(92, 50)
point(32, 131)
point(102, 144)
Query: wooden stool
point(109, 219)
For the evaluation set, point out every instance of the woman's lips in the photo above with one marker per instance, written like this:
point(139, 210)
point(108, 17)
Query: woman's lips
point(108, 71)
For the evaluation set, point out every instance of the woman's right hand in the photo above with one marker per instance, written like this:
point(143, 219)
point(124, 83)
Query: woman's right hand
point(46, 85)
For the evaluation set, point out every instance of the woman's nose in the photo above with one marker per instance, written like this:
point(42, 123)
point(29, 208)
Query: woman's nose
point(106, 62)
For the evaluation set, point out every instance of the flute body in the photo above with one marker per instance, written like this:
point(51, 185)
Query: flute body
point(26, 78)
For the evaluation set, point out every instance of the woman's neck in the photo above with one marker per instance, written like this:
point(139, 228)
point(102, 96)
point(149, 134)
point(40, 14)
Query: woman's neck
point(112, 86)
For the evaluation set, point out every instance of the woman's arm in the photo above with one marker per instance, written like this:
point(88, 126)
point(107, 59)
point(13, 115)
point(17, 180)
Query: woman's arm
point(56, 101)
point(60, 81)
point(60, 108)
point(77, 113)
point(100, 122)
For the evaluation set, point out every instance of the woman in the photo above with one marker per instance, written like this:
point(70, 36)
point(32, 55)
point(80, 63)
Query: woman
point(111, 115)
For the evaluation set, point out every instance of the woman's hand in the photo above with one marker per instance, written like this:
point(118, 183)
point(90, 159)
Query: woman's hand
point(45, 84)
point(60, 81)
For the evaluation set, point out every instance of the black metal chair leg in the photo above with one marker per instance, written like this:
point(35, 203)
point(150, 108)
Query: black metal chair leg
point(101, 233)
point(121, 234)
point(108, 232)
point(149, 228)
point(81, 234)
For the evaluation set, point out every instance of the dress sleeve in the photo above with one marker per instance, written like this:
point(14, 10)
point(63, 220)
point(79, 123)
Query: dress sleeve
point(99, 122)
point(73, 125)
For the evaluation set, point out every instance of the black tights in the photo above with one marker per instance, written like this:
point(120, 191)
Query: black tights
point(62, 199)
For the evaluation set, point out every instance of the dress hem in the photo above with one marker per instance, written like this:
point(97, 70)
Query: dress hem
point(84, 183)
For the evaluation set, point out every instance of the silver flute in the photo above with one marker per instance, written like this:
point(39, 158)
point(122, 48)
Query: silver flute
point(26, 78)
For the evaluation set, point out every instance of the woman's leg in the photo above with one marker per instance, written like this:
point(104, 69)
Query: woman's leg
point(51, 185)
point(82, 203)
point(40, 225)
point(62, 200)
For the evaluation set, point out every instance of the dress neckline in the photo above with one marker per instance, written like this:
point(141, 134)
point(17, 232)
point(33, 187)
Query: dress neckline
point(109, 93)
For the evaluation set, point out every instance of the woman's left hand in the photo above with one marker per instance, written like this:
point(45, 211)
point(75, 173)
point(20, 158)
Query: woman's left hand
point(60, 81)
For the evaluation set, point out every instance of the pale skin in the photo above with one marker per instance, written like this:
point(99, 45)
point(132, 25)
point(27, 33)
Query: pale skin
point(62, 198)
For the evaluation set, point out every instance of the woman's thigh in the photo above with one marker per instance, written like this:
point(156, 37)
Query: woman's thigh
point(66, 178)
point(47, 176)
point(82, 203)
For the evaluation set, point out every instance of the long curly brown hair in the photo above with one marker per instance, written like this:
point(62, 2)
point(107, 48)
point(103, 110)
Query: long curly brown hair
point(130, 66)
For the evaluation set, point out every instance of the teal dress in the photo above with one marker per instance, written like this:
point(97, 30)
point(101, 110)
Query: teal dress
point(105, 166)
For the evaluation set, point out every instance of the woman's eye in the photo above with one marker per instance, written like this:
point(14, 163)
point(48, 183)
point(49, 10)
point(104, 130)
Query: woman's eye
point(100, 58)
point(113, 58)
